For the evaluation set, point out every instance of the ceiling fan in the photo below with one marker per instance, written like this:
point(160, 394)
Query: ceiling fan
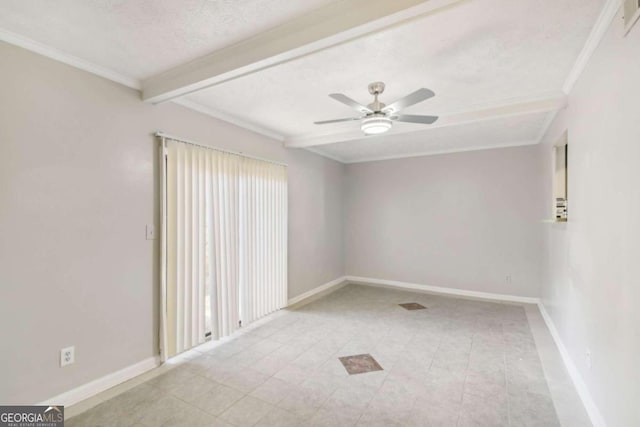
point(377, 117)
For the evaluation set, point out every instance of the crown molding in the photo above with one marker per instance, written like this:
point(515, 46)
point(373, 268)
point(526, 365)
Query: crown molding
point(74, 61)
point(546, 125)
point(318, 150)
point(598, 31)
point(438, 152)
point(608, 12)
point(228, 118)
point(328, 156)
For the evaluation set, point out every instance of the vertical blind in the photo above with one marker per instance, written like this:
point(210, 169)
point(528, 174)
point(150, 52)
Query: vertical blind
point(263, 237)
point(225, 219)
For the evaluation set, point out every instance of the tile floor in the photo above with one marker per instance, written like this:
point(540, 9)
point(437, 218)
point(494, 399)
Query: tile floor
point(457, 363)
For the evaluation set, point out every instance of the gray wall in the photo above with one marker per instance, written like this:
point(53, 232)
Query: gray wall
point(465, 220)
point(592, 286)
point(78, 183)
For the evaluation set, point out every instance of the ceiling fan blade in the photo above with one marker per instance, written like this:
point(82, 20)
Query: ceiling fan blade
point(409, 100)
point(324, 122)
point(412, 118)
point(351, 103)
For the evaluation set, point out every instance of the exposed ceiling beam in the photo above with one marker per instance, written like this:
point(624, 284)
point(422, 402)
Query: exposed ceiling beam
point(488, 112)
point(330, 25)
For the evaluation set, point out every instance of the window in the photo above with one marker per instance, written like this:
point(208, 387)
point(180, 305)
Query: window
point(560, 179)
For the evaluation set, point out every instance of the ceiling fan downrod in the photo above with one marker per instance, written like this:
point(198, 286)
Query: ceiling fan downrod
point(375, 89)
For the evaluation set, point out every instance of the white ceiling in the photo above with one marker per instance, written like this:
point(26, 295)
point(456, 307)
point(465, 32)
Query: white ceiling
point(501, 132)
point(476, 53)
point(140, 38)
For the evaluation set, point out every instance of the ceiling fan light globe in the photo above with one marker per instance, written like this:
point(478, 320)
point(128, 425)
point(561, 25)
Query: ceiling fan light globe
point(376, 125)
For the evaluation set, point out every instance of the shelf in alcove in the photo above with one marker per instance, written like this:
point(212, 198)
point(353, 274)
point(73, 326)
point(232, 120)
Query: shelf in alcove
point(555, 221)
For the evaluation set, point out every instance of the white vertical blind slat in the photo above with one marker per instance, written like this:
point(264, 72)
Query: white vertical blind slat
point(195, 265)
point(180, 253)
point(216, 274)
point(202, 236)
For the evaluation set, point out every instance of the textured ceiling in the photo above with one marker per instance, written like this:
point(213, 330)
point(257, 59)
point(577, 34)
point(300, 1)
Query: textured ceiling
point(140, 38)
point(479, 52)
point(518, 130)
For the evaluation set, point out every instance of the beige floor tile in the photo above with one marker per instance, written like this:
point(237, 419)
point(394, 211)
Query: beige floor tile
point(196, 387)
point(218, 400)
point(246, 412)
point(476, 411)
point(167, 411)
point(356, 396)
point(245, 380)
point(272, 391)
point(278, 417)
point(200, 365)
point(383, 417)
point(532, 409)
point(336, 414)
point(106, 414)
point(302, 402)
point(485, 384)
point(434, 411)
point(292, 374)
point(137, 400)
point(173, 378)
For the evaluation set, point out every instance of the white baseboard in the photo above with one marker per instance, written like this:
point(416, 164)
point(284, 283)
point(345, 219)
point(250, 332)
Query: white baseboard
point(315, 291)
point(99, 385)
point(594, 413)
point(441, 290)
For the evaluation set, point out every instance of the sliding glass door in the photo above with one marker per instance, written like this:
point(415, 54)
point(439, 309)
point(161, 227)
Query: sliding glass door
point(225, 252)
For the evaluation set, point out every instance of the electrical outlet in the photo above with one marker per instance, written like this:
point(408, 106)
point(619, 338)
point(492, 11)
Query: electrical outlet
point(508, 278)
point(67, 356)
point(588, 358)
point(151, 232)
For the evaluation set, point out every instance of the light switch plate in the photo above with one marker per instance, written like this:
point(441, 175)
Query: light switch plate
point(151, 232)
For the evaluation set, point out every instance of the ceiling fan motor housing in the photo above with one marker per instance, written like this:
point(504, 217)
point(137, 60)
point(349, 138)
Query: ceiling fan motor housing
point(376, 88)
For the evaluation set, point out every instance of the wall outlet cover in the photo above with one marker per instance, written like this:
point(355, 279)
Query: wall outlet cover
point(67, 356)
